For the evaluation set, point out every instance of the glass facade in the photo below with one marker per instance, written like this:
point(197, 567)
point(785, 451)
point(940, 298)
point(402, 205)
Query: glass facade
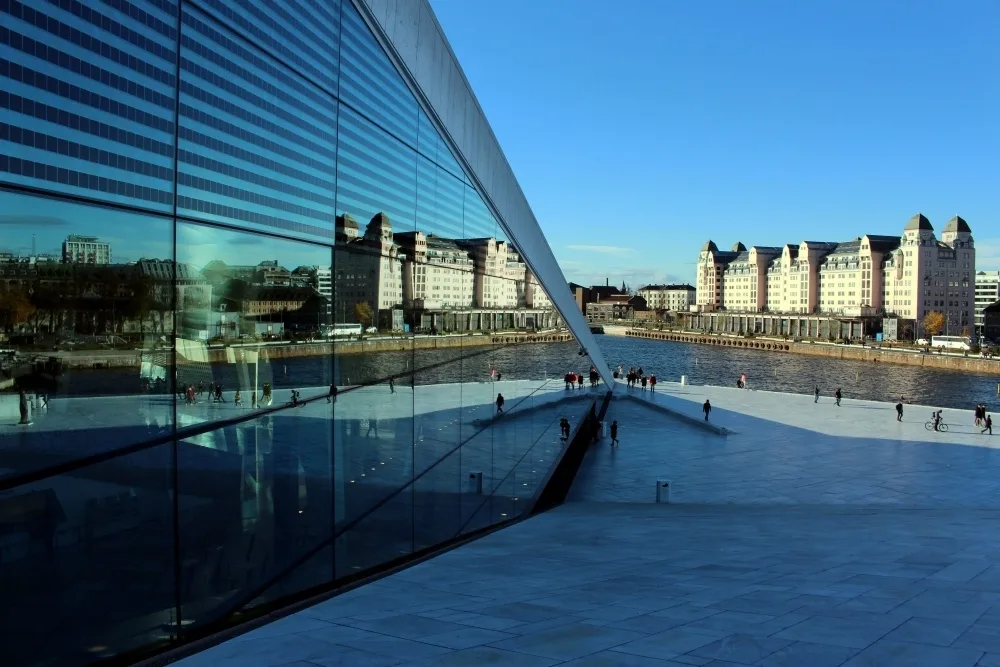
point(255, 320)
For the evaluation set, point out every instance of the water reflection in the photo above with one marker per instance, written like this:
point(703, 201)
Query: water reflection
point(801, 373)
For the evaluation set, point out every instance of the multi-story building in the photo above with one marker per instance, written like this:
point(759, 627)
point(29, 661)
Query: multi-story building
point(77, 249)
point(907, 276)
point(437, 273)
point(668, 297)
point(710, 290)
point(745, 279)
point(850, 276)
point(925, 274)
point(987, 293)
point(615, 307)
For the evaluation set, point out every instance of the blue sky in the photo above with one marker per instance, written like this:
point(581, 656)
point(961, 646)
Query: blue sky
point(639, 129)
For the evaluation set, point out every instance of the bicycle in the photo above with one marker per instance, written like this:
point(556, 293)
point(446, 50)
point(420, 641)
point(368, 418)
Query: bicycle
point(942, 427)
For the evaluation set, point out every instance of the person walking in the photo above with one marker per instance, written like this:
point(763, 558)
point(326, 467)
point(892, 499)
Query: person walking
point(838, 395)
point(614, 433)
point(579, 380)
point(644, 383)
point(652, 382)
point(499, 403)
point(706, 408)
point(980, 414)
point(392, 386)
point(564, 429)
point(332, 396)
point(899, 411)
point(238, 398)
point(816, 394)
point(989, 425)
point(743, 381)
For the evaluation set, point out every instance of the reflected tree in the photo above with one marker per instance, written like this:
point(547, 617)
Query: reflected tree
point(15, 307)
point(363, 313)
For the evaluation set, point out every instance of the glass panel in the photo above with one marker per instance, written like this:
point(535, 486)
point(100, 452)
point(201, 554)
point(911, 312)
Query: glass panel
point(257, 143)
point(305, 34)
point(88, 108)
point(256, 502)
point(254, 322)
point(86, 305)
point(383, 535)
point(370, 84)
point(438, 432)
point(88, 562)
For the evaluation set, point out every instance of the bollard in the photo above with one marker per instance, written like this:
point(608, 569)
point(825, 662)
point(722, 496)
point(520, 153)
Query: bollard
point(604, 429)
point(663, 491)
point(684, 380)
point(476, 482)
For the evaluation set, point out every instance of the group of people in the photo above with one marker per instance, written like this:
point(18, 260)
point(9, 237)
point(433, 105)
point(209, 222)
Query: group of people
point(837, 395)
point(983, 419)
point(191, 394)
point(576, 379)
point(637, 376)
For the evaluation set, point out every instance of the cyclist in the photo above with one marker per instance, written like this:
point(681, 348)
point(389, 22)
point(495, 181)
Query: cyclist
point(936, 418)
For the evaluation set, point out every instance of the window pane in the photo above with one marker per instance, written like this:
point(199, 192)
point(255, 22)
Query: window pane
point(86, 309)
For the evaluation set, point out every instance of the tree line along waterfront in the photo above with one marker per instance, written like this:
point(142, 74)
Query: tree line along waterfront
point(801, 374)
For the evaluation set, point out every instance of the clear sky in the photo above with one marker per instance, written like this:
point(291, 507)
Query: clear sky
point(639, 129)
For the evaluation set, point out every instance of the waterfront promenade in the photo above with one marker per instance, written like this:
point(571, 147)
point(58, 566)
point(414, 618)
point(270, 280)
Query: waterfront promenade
point(811, 534)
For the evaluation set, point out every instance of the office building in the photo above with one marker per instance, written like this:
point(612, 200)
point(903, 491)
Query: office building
point(906, 276)
point(78, 249)
point(276, 178)
point(668, 297)
point(987, 293)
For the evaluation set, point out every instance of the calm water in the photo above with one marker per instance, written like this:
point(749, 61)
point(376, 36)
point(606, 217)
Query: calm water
point(800, 373)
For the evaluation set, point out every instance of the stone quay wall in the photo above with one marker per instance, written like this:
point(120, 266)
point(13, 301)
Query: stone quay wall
point(221, 355)
point(903, 357)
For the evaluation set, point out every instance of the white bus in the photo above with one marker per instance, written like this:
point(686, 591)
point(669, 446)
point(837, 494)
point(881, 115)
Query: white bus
point(331, 331)
point(952, 342)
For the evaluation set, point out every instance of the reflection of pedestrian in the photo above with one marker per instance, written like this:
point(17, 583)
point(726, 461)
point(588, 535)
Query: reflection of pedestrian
point(706, 408)
point(332, 396)
point(899, 411)
point(238, 398)
point(838, 395)
point(614, 433)
point(372, 426)
point(499, 403)
point(22, 404)
point(392, 386)
point(816, 394)
point(989, 425)
point(564, 429)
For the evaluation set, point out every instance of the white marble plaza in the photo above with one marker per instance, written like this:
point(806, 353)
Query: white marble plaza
point(812, 534)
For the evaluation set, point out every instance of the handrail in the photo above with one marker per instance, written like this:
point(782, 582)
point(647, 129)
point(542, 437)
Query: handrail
point(17, 480)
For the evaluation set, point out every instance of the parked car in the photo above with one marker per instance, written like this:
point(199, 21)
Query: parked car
point(922, 341)
point(371, 330)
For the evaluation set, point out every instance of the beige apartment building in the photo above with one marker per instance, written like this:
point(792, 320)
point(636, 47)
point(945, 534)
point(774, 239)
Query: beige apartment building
point(712, 262)
point(668, 297)
point(745, 279)
point(908, 276)
point(793, 277)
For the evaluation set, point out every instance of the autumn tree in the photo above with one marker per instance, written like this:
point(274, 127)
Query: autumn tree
point(363, 313)
point(15, 307)
point(934, 322)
